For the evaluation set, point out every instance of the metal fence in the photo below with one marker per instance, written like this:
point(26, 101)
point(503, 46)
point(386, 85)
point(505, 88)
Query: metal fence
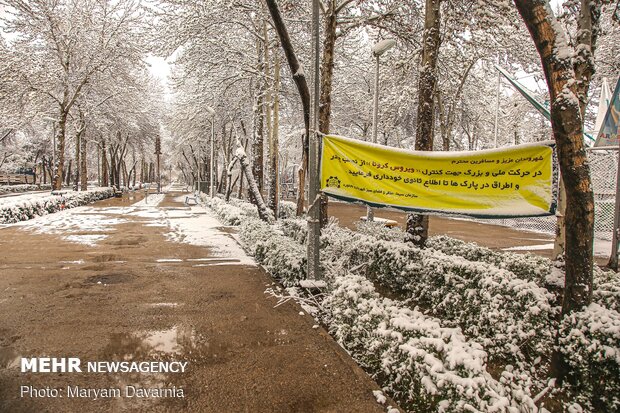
point(603, 169)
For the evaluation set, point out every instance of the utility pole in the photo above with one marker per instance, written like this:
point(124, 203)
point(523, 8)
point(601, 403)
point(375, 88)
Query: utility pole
point(314, 212)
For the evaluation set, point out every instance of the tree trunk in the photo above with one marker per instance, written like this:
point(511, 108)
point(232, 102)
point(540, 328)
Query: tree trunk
point(113, 168)
point(273, 143)
point(83, 164)
point(417, 227)
point(259, 123)
point(60, 150)
point(67, 177)
point(104, 165)
point(44, 170)
point(268, 101)
point(263, 212)
point(304, 92)
point(568, 86)
point(327, 77)
point(78, 147)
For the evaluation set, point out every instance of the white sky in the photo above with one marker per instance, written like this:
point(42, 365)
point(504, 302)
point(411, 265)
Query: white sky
point(159, 67)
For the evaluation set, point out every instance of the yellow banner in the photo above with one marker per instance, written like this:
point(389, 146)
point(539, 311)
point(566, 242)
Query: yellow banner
point(519, 181)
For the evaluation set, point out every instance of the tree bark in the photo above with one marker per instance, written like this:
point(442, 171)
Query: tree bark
point(104, 165)
point(327, 78)
point(259, 120)
point(273, 143)
point(83, 164)
point(417, 227)
point(60, 150)
point(78, 146)
point(229, 172)
point(67, 177)
point(263, 212)
point(304, 93)
point(113, 167)
point(568, 83)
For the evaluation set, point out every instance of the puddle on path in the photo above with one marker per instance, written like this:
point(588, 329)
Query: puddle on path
point(9, 359)
point(172, 341)
point(133, 346)
point(112, 278)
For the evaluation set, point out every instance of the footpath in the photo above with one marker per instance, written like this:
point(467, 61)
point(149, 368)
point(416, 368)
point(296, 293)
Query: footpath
point(154, 280)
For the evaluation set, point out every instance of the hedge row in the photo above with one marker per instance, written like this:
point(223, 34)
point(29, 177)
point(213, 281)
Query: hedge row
point(425, 365)
point(17, 210)
point(491, 301)
point(9, 189)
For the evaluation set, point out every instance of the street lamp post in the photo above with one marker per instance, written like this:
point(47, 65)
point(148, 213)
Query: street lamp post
point(377, 50)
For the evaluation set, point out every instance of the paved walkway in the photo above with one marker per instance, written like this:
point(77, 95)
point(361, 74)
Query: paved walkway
point(488, 235)
point(140, 282)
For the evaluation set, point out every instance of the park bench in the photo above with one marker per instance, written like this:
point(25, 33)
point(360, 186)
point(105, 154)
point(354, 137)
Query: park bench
point(191, 198)
point(390, 223)
point(58, 192)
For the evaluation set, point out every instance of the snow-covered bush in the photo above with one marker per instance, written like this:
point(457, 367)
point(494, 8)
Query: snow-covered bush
point(474, 307)
point(508, 315)
point(287, 209)
point(428, 366)
point(227, 213)
point(294, 228)
point(606, 289)
point(284, 258)
point(525, 266)
point(247, 208)
point(19, 209)
point(590, 342)
point(9, 189)
point(380, 231)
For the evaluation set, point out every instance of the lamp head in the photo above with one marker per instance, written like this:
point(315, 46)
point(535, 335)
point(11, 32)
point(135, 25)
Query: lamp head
point(383, 46)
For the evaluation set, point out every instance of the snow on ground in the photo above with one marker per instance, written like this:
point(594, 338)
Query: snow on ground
point(151, 200)
point(602, 248)
point(196, 226)
point(530, 247)
point(192, 226)
point(71, 220)
point(86, 239)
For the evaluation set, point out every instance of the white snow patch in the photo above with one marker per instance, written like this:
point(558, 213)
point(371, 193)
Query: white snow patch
point(602, 248)
point(530, 247)
point(90, 239)
point(555, 277)
point(198, 228)
point(151, 200)
point(379, 396)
